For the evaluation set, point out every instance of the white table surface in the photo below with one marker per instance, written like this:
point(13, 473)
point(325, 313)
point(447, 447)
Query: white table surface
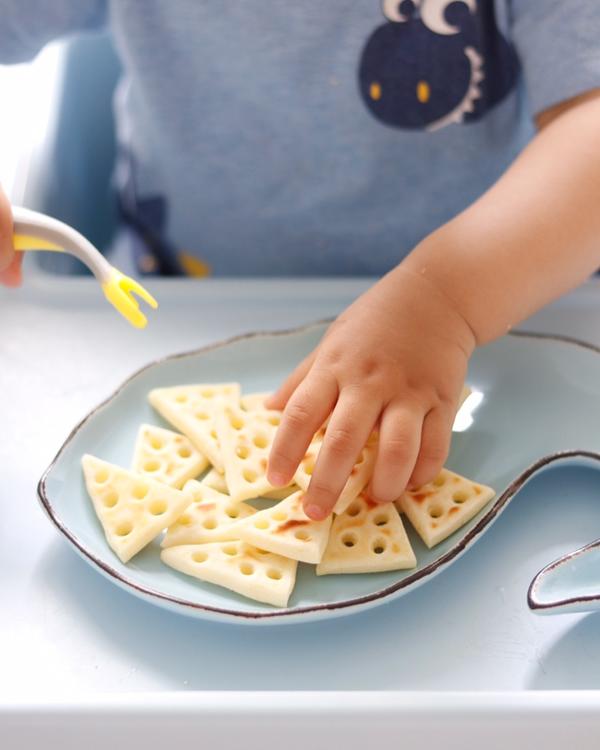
point(71, 640)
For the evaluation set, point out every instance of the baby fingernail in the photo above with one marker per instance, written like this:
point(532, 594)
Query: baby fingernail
point(276, 478)
point(377, 499)
point(315, 512)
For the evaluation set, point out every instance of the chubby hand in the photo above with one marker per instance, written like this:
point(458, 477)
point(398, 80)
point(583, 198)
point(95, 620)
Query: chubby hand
point(394, 361)
point(10, 262)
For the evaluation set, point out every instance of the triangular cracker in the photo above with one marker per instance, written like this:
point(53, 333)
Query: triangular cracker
point(132, 509)
point(286, 530)
point(210, 517)
point(216, 481)
point(240, 567)
point(367, 538)
point(166, 456)
point(439, 508)
point(245, 439)
point(281, 492)
point(191, 409)
point(254, 401)
point(357, 481)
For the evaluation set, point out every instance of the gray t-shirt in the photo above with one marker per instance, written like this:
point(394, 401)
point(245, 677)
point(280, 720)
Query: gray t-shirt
point(273, 137)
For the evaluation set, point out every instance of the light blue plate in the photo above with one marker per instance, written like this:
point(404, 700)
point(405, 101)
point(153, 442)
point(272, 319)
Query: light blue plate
point(540, 405)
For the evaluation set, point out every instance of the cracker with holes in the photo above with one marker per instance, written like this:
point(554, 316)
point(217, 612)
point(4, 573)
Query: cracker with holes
point(240, 567)
point(367, 538)
point(210, 517)
point(245, 439)
point(254, 401)
point(166, 456)
point(192, 409)
point(132, 509)
point(281, 492)
point(216, 481)
point(286, 530)
point(439, 508)
point(359, 476)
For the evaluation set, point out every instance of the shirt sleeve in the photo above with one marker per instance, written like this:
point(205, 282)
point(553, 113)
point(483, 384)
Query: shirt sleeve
point(558, 42)
point(27, 25)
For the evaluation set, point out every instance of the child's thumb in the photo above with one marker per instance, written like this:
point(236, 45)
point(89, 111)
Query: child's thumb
point(12, 276)
point(10, 262)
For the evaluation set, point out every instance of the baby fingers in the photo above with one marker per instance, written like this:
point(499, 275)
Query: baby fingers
point(12, 276)
point(435, 444)
point(305, 412)
point(282, 395)
point(397, 451)
point(347, 432)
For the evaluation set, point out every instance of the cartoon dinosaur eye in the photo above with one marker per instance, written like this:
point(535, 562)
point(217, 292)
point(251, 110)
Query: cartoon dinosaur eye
point(433, 15)
point(399, 11)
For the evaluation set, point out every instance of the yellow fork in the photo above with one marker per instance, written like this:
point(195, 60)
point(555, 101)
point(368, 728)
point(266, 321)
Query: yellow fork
point(119, 290)
point(36, 231)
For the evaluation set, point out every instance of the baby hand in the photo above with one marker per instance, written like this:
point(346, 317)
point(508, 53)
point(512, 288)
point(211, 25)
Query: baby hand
point(10, 262)
point(395, 360)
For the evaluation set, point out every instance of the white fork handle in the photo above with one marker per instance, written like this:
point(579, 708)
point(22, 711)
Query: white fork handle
point(45, 227)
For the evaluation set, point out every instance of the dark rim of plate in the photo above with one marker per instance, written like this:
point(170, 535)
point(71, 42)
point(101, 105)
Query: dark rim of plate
point(533, 599)
point(434, 567)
